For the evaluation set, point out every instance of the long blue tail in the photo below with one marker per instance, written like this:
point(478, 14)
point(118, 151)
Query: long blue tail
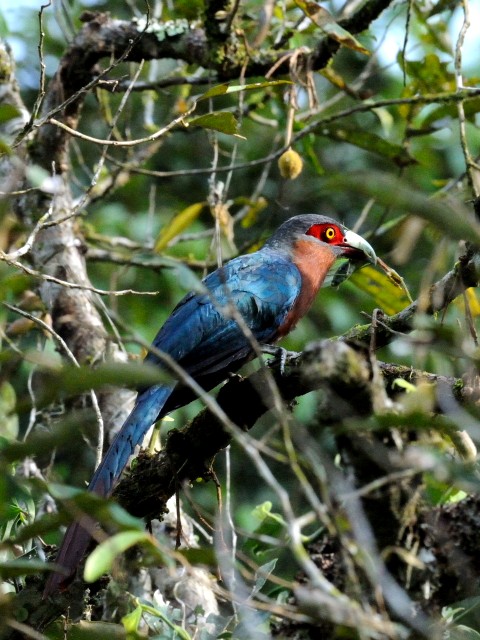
point(146, 411)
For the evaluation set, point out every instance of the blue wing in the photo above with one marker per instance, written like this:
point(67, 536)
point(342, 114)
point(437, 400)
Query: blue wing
point(201, 337)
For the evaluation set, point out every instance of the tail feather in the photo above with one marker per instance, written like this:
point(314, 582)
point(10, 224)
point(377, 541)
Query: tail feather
point(74, 545)
point(147, 410)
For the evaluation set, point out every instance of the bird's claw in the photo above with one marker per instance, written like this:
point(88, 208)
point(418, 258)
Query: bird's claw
point(280, 354)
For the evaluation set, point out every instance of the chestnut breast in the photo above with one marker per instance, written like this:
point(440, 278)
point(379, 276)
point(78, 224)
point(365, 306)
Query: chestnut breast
point(313, 260)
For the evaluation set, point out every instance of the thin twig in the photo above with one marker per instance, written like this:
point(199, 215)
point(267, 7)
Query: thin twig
point(126, 143)
point(71, 285)
point(469, 161)
point(41, 93)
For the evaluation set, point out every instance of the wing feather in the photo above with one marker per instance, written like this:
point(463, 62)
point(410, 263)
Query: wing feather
point(202, 336)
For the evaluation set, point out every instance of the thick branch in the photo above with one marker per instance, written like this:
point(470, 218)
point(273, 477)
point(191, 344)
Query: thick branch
point(335, 367)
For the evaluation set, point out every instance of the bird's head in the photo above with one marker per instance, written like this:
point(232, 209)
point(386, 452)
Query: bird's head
point(324, 237)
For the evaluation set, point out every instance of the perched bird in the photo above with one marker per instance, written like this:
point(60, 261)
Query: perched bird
point(271, 289)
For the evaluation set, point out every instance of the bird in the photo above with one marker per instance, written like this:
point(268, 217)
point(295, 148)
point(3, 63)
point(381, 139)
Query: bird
point(271, 289)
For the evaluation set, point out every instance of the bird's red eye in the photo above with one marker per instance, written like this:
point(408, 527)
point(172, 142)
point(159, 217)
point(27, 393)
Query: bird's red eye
point(326, 233)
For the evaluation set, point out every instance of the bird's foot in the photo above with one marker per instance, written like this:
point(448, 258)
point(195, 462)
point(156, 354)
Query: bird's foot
point(279, 353)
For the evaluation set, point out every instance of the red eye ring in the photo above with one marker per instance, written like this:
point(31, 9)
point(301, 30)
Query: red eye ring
point(328, 233)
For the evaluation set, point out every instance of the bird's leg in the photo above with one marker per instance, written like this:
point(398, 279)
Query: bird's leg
point(279, 353)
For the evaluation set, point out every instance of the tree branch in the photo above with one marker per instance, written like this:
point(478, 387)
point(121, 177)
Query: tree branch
point(465, 274)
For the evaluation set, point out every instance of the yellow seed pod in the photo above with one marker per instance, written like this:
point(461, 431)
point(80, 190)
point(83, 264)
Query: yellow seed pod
point(290, 164)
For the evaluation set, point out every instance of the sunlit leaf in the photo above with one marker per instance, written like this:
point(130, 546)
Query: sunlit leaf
point(440, 492)
point(407, 386)
point(254, 210)
point(473, 302)
point(8, 419)
point(179, 223)
point(323, 19)
point(388, 295)
point(132, 620)
point(101, 559)
point(335, 78)
point(224, 89)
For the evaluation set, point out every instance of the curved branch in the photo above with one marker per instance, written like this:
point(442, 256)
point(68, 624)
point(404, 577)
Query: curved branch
point(464, 275)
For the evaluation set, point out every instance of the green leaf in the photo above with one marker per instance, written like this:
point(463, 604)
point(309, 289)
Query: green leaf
point(178, 632)
point(101, 559)
point(224, 89)
point(442, 115)
point(105, 511)
point(254, 209)
point(175, 227)
point(272, 525)
point(408, 387)
point(430, 74)
point(48, 523)
point(71, 380)
point(370, 142)
point(8, 419)
point(8, 112)
point(222, 121)
point(132, 620)
point(188, 279)
point(43, 443)
point(390, 297)
point(15, 568)
point(261, 576)
point(323, 19)
point(199, 556)
point(462, 632)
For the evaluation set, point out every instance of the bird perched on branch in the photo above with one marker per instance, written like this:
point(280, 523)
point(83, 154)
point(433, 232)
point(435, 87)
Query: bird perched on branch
point(259, 296)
